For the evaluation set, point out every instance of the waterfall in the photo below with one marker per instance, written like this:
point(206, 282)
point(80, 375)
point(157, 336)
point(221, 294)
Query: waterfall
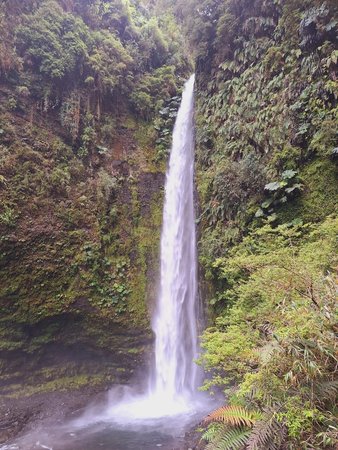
point(173, 381)
point(175, 317)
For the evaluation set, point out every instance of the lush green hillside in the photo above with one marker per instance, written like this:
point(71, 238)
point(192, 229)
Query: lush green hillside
point(267, 179)
point(81, 83)
point(88, 95)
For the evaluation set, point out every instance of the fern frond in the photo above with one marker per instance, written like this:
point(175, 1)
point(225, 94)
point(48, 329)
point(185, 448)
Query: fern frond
point(265, 435)
point(232, 415)
point(213, 431)
point(230, 439)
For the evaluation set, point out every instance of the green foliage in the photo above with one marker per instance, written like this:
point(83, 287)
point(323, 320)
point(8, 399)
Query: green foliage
point(108, 62)
point(88, 137)
point(106, 187)
point(280, 192)
point(60, 180)
point(12, 103)
point(90, 58)
point(227, 439)
point(159, 48)
point(232, 186)
point(70, 114)
point(276, 337)
point(267, 95)
point(152, 90)
point(263, 96)
point(316, 26)
point(8, 216)
point(55, 41)
point(164, 125)
point(242, 429)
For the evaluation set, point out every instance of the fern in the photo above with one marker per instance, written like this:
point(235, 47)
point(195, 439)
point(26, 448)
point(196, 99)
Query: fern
point(233, 415)
point(235, 428)
point(229, 439)
point(213, 431)
point(265, 435)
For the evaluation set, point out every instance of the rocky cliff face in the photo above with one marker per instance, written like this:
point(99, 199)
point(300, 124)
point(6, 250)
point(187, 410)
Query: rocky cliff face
point(79, 259)
point(89, 93)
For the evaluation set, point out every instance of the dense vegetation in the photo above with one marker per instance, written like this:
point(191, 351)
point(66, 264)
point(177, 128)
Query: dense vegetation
point(89, 91)
point(77, 81)
point(88, 95)
point(267, 178)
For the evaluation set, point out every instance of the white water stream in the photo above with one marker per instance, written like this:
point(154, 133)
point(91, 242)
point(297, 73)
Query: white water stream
point(175, 318)
point(173, 382)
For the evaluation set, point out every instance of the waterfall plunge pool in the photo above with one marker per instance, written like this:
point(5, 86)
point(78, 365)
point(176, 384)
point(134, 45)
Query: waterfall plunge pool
point(105, 436)
point(107, 428)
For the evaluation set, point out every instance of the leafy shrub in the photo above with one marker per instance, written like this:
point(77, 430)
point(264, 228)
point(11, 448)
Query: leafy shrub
point(276, 339)
point(279, 193)
point(8, 216)
point(55, 41)
point(59, 180)
point(152, 89)
point(234, 184)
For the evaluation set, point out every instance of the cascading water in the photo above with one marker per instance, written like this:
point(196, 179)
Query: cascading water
point(175, 318)
point(172, 387)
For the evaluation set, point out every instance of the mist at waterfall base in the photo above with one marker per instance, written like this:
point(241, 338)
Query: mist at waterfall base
point(170, 402)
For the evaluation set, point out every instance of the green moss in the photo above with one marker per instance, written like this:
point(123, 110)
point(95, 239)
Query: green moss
point(135, 205)
point(319, 197)
point(144, 157)
point(135, 351)
point(144, 135)
point(69, 209)
point(288, 158)
point(63, 384)
point(130, 122)
point(146, 241)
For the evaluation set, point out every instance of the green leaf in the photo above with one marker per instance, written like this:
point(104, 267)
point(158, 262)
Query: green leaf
point(273, 217)
point(259, 213)
point(101, 150)
point(267, 203)
point(274, 186)
point(287, 174)
point(297, 221)
point(233, 439)
point(331, 25)
point(164, 111)
point(297, 186)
